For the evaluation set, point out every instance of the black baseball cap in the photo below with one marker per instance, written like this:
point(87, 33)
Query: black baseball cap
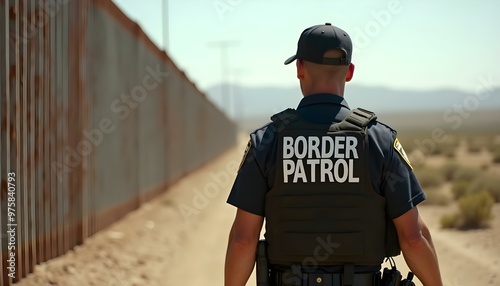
point(316, 40)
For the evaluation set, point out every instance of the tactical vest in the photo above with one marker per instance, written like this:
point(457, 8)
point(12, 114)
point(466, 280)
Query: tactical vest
point(322, 209)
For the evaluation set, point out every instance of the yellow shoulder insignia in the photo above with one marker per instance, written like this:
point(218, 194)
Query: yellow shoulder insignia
point(399, 147)
point(247, 150)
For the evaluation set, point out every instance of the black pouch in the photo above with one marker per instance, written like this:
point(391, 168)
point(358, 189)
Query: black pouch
point(391, 277)
point(262, 265)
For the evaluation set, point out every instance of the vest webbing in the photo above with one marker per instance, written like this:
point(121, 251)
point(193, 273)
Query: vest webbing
point(323, 210)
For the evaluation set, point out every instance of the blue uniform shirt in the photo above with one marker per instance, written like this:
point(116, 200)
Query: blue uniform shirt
point(391, 176)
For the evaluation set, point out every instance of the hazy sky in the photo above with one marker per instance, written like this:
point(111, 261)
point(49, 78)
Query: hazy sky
point(398, 43)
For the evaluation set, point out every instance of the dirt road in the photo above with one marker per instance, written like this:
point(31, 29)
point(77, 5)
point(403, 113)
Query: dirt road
point(180, 238)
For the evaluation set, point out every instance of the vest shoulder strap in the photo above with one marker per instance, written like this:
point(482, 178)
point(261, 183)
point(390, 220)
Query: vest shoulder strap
point(284, 118)
point(357, 120)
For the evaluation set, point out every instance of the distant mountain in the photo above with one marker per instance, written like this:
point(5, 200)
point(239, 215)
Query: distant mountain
point(257, 101)
point(252, 106)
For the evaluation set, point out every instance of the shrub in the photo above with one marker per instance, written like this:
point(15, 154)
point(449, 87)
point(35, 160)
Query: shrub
point(475, 210)
point(429, 177)
point(485, 166)
point(474, 148)
point(475, 145)
point(487, 183)
point(447, 148)
point(483, 182)
point(450, 153)
point(453, 141)
point(460, 188)
point(450, 170)
point(494, 143)
point(449, 221)
point(415, 142)
point(496, 155)
point(467, 174)
point(438, 149)
point(436, 197)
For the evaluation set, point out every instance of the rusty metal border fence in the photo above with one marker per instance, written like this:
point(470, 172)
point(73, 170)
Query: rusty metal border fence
point(95, 120)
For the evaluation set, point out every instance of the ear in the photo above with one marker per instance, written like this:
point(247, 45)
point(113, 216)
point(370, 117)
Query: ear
point(300, 69)
point(350, 73)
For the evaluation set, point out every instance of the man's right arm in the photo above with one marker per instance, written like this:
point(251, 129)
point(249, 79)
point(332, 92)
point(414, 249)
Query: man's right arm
point(418, 250)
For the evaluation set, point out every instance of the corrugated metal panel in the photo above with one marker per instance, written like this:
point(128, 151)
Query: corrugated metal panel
point(91, 123)
point(175, 138)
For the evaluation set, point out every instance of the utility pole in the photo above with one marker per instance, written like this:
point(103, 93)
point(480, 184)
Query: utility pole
point(224, 70)
point(237, 103)
point(166, 24)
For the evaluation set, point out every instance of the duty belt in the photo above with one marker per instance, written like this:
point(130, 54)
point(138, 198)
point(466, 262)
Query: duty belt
point(288, 278)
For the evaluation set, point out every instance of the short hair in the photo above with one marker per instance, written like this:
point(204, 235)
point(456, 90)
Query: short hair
point(327, 72)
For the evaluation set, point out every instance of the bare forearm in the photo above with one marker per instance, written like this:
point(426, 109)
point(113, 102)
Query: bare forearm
point(241, 249)
point(240, 259)
point(421, 258)
point(427, 235)
point(231, 236)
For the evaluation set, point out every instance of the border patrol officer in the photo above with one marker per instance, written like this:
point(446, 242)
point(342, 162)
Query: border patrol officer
point(330, 182)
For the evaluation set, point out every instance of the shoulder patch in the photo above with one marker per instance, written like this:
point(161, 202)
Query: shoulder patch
point(245, 155)
point(399, 148)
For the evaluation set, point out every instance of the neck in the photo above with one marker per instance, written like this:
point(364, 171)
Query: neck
point(337, 89)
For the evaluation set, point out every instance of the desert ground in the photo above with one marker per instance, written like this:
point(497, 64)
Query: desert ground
point(180, 238)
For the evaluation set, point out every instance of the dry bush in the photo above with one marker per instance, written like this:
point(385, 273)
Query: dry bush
point(483, 182)
point(447, 148)
point(474, 148)
point(488, 183)
point(476, 144)
point(485, 166)
point(420, 142)
point(450, 146)
point(450, 170)
point(450, 153)
point(493, 143)
point(449, 221)
point(436, 197)
point(460, 188)
point(475, 210)
point(467, 174)
point(496, 155)
point(429, 177)
point(439, 148)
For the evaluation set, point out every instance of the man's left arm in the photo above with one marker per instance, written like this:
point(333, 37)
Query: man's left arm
point(426, 233)
point(242, 246)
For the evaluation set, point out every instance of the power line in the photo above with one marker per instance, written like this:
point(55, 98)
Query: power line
point(237, 102)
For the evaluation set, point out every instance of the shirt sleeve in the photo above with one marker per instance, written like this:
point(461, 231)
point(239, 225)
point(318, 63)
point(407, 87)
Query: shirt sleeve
point(251, 184)
point(400, 186)
point(249, 189)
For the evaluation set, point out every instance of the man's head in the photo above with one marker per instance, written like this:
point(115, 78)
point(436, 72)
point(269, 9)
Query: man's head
point(323, 57)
